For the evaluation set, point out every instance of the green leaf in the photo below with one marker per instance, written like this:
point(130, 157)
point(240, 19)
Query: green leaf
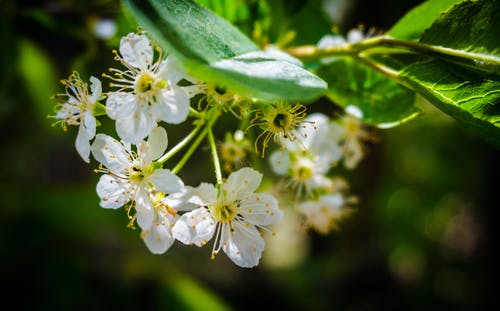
point(382, 102)
point(463, 81)
point(469, 97)
point(471, 26)
point(37, 70)
point(413, 24)
point(214, 51)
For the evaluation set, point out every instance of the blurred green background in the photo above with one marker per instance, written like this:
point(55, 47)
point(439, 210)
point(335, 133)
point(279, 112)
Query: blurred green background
point(422, 236)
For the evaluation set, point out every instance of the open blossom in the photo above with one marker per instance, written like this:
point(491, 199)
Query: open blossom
point(158, 236)
point(324, 213)
point(132, 176)
point(353, 135)
point(78, 110)
point(148, 91)
point(307, 162)
point(353, 36)
point(233, 215)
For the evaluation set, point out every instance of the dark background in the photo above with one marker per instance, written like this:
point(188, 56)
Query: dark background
point(422, 236)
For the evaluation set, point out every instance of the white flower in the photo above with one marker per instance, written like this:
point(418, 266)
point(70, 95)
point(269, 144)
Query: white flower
point(78, 110)
point(132, 176)
point(233, 215)
point(328, 41)
point(324, 213)
point(353, 134)
point(148, 91)
point(306, 162)
point(158, 236)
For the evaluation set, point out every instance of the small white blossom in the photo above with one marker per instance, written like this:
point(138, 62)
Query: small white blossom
point(133, 176)
point(324, 213)
point(148, 91)
point(158, 236)
point(353, 135)
point(306, 162)
point(233, 215)
point(78, 110)
point(328, 41)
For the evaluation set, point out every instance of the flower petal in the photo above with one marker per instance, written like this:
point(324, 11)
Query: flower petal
point(242, 182)
point(135, 128)
point(203, 195)
point(172, 106)
point(89, 123)
point(195, 227)
point(120, 105)
point(111, 153)
point(158, 142)
point(166, 182)
point(144, 208)
point(136, 50)
point(82, 144)
point(96, 89)
point(280, 162)
point(171, 71)
point(244, 246)
point(260, 209)
point(158, 237)
point(113, 191)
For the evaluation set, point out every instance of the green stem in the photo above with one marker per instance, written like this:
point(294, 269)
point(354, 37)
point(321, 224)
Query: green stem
point(386, 71)
point(190, 151)
point(215, 156)
point(355, 49)
point(208, 127)
point(180, 145)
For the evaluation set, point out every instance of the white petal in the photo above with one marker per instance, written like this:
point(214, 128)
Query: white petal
point(242, 182)
point(244, 246)
point(328, 41)
point(159, 237)
point(136, 50)
point(195, 227)
point(355, 35)
point(120, 105)
point(171, 70)
point(193, 90)
point(144, 208)
point(96, 89)
point(190, 198)
point(113, 191)
point(158, 142)
point(166, 182)
point(333, 201)
point(136, 127)
point(82, 144)
point(280, 162)
point(89, 123)
point(260, 209)
point(111, 153)
point(172, 105)
point(179, 201)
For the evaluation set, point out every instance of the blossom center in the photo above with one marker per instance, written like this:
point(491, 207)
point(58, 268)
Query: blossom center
point(147, 83)
point(281, 120)
point(303, 172)
point(225, 212)
point(136, 174)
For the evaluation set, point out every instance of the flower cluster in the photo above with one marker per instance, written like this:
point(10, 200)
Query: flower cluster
point(150, 90)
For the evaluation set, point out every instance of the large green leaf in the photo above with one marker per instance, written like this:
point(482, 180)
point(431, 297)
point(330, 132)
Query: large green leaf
point(213, 50)
point(464, 79)
point(413, 24)
point(472, 28)
point(469, 97)
point(382, 102)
